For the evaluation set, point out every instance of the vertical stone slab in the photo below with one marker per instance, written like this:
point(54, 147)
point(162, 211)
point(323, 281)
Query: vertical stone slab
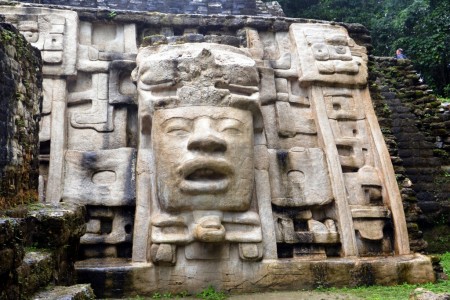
point(395, 200)
point(58, 141)
point(144, 183)
point(337, 180)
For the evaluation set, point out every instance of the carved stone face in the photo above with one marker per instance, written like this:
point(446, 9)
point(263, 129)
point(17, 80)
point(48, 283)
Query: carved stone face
point(203, 158)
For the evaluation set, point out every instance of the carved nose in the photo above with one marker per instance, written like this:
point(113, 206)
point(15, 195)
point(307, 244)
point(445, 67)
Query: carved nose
point(208, 143)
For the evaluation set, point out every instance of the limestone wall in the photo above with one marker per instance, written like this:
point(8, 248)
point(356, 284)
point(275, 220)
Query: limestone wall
point(416, 128)
point(20, 98)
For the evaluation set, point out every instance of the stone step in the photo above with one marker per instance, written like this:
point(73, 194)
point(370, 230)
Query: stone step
point(35, 272)
point(74, 292)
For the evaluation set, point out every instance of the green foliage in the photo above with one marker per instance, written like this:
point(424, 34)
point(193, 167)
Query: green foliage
point(112, 14)
point(6, 36)
point(211, 294)
point(420, 27)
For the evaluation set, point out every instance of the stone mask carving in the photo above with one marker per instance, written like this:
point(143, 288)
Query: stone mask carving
point(198, 107)
point(203, 158)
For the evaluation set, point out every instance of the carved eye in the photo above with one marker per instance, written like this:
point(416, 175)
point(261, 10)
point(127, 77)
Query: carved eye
point(178, 127)
point(231, 130)
point(230, 126)
point(177, 131)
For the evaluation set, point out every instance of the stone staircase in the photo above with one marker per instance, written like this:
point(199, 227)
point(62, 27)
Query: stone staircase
point(38, 246)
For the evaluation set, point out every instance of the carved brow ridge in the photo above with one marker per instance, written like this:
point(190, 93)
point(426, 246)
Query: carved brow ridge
point(200, 116)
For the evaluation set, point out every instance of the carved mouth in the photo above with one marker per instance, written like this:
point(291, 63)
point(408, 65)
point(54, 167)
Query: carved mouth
point(205, 176)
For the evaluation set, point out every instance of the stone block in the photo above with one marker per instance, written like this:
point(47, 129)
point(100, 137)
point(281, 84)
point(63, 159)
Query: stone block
point(55, 225)
point(35, 272)
point(104, 177)
point(74, 292)
point(114, 228)
point(296, 186)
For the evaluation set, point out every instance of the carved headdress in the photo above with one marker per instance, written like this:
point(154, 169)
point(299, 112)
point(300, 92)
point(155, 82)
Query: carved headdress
point(196, 74)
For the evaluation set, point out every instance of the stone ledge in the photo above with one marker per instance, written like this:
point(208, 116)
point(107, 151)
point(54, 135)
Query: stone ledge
point(44, 225)
point(122, 278)
point(75, 292)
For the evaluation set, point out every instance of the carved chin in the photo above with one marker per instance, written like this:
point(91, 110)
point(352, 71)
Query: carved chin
point(205, 177)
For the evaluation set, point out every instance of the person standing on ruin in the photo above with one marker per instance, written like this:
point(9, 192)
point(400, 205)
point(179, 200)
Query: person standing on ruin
point(399, 54)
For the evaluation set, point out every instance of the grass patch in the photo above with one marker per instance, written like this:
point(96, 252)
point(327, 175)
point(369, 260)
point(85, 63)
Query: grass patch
point(397, 292)
point(444, 100)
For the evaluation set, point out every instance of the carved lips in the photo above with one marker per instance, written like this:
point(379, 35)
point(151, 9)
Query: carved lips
point(205, 176)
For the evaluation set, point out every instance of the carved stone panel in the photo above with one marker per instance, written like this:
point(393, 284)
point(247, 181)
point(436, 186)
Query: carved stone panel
point(101, 43)
point(100, 177)
point(53, 32)
point(299, 177)
point(328, 55)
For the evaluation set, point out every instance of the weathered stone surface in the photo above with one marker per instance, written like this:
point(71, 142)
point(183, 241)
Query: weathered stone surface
point(56, 225)
point(423, 294)
point(35, 272)
point(100, 177)
point(222, 7)
point(421, 153)
point(267, 275)
point(25, 266)
point(20, 98)
point(11, 250)
point(52, 31)
point(75, 292)
point(327, 55)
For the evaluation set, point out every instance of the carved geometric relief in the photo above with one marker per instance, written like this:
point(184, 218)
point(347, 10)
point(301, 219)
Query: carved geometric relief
point(364, 187)
point(102, 43)
point(103, 177)
point(121, 88)
point(342, 104)
point(99, 117)
point(373, 236)
point(118, 229)
point(327, 54)
point(289, 90)
point(282, 133)
point(108, 232)
point(299, 177)
point(53, 32)
point(351, 153)
point(283, 61)
point(88, 139)
point(237, 227)
point(45, 128)
point(304, 234)
point(350, 138)
point(45, 123)
point(293, 120)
